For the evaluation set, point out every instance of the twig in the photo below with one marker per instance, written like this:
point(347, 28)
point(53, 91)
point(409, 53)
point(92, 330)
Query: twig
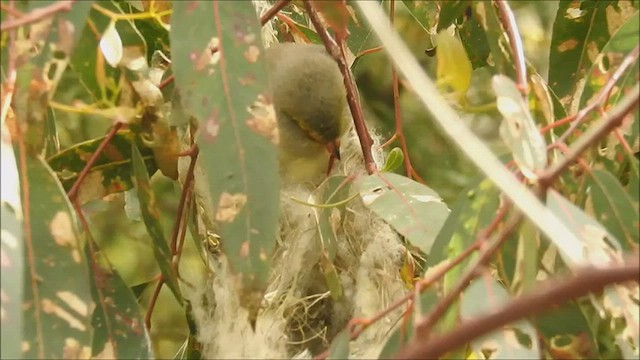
point(610, 121)
point(183, 199)
point(335, 48)
point(273, 11)
point(424, 326)
point(399, 134)
point(37, 14)
point(515, 42)
point(152, 303)
point(586, 280)
point(603, 93)
point(358, 325)
point(73, 193)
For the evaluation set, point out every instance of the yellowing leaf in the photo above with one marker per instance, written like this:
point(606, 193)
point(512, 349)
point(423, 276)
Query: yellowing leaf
point(454, 68)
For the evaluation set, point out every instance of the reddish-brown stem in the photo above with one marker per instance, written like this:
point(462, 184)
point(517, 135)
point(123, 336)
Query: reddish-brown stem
point(37, 14)
point(554, 292)
point(73, 193)
point(555, 124)
point(183, 200)
point(370, 51)
point(11, 10)
point(603, 93)
point(166, 82)
point(152, 303)
point(425, 325)
point(399, 134)
point(610, 121)
point(273, 11)
point(335, 48)
point(358, 325)
point(508, 20)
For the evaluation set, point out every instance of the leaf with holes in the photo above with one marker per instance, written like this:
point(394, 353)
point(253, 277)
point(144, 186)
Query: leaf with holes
point(598, 245)
point(412, 209)
point(580, 31)
point(226, 91)
point(518, 129)
point(56, 305)
point(111, 173)
point(517, 340)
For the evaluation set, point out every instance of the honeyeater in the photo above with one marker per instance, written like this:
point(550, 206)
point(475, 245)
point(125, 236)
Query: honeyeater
point(311, 110)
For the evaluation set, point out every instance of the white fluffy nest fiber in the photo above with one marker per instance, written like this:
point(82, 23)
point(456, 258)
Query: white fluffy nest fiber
point(299, 317)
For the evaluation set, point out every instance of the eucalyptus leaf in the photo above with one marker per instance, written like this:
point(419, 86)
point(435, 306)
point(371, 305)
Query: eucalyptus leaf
point(412, 209)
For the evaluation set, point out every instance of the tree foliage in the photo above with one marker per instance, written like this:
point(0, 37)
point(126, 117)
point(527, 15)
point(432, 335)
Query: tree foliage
point(139, 146)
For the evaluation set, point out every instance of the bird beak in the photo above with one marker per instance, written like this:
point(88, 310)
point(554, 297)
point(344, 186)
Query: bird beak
point(334, 149)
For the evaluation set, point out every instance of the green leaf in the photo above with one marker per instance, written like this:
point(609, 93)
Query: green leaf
point(412, 209)
point(567, 321)
point(515, 341)
point(518, 129)
point(581, 29)
point(57, 296)
point(119, 330)
point(526, 269)
point(63, 33)
point(339, 348)
point(473, 37)
point(474, 209)
point(226, 92)
point(423, 12)
point(614, 208)
point(395, 159)
point(597, 243)
point(151, 217)
point(111, 173)
point(496, 38)
point(449, 12)
point(12, 250)
point(12, 281)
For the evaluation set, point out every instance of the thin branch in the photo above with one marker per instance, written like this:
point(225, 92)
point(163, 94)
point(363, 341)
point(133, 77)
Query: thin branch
point(399, 134)
point(183, 198)
point(585, 281)
point(515, 42)
point(603, 93)
point(424, 326)
point(612, 120)
point(335, 48)
point(273, 11)
point(37, 14)
point(152, 303)
point(73, 193)
point(358, 325)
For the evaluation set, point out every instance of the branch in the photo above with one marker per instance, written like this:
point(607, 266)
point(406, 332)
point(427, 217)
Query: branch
point(424, 326)
point(273, 11)
point(511, 28)
point(586, 280)
point(73, 192)
point(609, 122)
point(37, 14)
point(335, 50)
point(603, 94)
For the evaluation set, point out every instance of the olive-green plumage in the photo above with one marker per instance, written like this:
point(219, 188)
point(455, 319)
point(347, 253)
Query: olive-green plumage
point(310, 103)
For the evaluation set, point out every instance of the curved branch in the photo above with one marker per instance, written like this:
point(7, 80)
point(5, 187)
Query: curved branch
point(587, 280)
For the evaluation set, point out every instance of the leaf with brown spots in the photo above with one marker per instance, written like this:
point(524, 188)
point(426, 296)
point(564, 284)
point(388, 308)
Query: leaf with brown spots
point(580, 31)
point(227, 93)
point(57, 296)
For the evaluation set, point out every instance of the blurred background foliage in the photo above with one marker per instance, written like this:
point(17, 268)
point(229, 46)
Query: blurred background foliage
point(117, 225)
point(435, 159)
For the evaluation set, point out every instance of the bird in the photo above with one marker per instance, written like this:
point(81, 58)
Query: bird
point(309, 99)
